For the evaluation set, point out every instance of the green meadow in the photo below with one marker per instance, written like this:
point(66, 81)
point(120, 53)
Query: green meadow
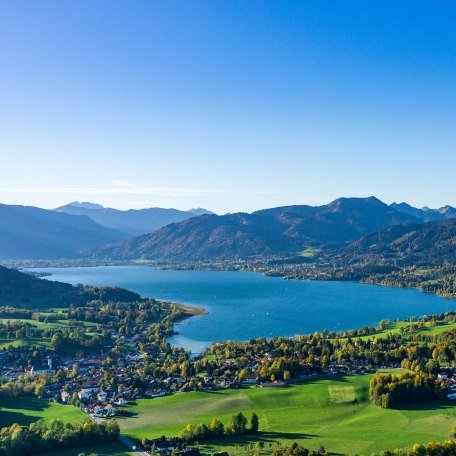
point(106, 449)
point(26, 410)
point(35, 341)
point(333, 412)
point(395, 328)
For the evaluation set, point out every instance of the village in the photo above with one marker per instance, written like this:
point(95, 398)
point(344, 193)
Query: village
point(81, 380)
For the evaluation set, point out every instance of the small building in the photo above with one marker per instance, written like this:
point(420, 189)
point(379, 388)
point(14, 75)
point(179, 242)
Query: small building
point(163, 444)
point(250, 380)
point(121, 401)
point(192, 452)
point(157, 393)
point(83, 395)
point(274, 384)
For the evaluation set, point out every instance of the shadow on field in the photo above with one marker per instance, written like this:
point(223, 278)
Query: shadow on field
point(440, 405)
point(8, 418)
point(26, 403)
point(268, 438)
point(125, 414)
point(317, 380)
point(21, 410)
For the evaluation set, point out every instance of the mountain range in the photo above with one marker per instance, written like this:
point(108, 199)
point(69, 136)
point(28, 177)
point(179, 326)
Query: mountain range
point(133, 221)
point(30, 232)
point(425, 214)
point(278, 231)
point(92, 231)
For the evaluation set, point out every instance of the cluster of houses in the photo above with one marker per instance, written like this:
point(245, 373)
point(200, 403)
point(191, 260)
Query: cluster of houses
point(99, 399)
point(12, 371)
point(448, 374)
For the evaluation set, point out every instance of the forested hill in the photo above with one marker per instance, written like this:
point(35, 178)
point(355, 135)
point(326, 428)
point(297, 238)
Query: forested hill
point(277, 231)
point(427, 244)
point(30, 233)
point(18, 289)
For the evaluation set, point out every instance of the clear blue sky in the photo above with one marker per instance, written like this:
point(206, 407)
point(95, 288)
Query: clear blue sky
point(229, 105)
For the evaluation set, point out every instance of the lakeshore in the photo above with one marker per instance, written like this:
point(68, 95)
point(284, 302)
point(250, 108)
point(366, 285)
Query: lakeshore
point(240, 305)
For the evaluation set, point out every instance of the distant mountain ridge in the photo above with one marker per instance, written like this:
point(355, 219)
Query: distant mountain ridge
point(275, 231)
point(32, 233)
point(133, 221)
point(426, 214)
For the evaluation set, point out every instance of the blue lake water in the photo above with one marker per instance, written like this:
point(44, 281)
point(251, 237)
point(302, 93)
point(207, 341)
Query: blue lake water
point(243, 305)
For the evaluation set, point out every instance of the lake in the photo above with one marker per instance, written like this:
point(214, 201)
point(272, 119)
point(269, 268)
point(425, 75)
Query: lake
point(243, 305)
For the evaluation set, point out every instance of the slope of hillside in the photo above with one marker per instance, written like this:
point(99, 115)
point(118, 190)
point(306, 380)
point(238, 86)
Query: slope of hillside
point(204, 238)
point(277, 231)
point(134, 221)
point(432, 243)
point(18, 289)
point(30, 232)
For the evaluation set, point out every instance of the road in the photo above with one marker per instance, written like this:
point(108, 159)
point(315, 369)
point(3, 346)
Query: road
point(132, 446)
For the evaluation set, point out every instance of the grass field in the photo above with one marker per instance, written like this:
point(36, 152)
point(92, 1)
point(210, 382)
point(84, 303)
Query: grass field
point(334, 412)
point(394, 328)
point(107, 449)
point(31, 342)
point(43, 325)
point(35, 341)
point(26, 410)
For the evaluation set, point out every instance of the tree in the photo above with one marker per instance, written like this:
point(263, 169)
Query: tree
point(56, 340)
point(216, 427)
point(239, 423)
point(387, 401)
point(254, 422)
point(184, 369)
point(243, 374)
point(74, 370)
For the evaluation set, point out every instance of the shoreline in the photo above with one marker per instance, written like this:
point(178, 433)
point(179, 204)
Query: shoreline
point(187, 311)
point(26, 265)
point(183, 312)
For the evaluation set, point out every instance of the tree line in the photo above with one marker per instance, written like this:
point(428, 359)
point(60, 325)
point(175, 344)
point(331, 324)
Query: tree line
point(390, 391)
point(41, 437)
point(237, 425)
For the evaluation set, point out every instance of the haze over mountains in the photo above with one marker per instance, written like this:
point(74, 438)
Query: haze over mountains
point(277, 231)
point(30, 232)
point(426, 214)
point(80, 230)
point(133, 221)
